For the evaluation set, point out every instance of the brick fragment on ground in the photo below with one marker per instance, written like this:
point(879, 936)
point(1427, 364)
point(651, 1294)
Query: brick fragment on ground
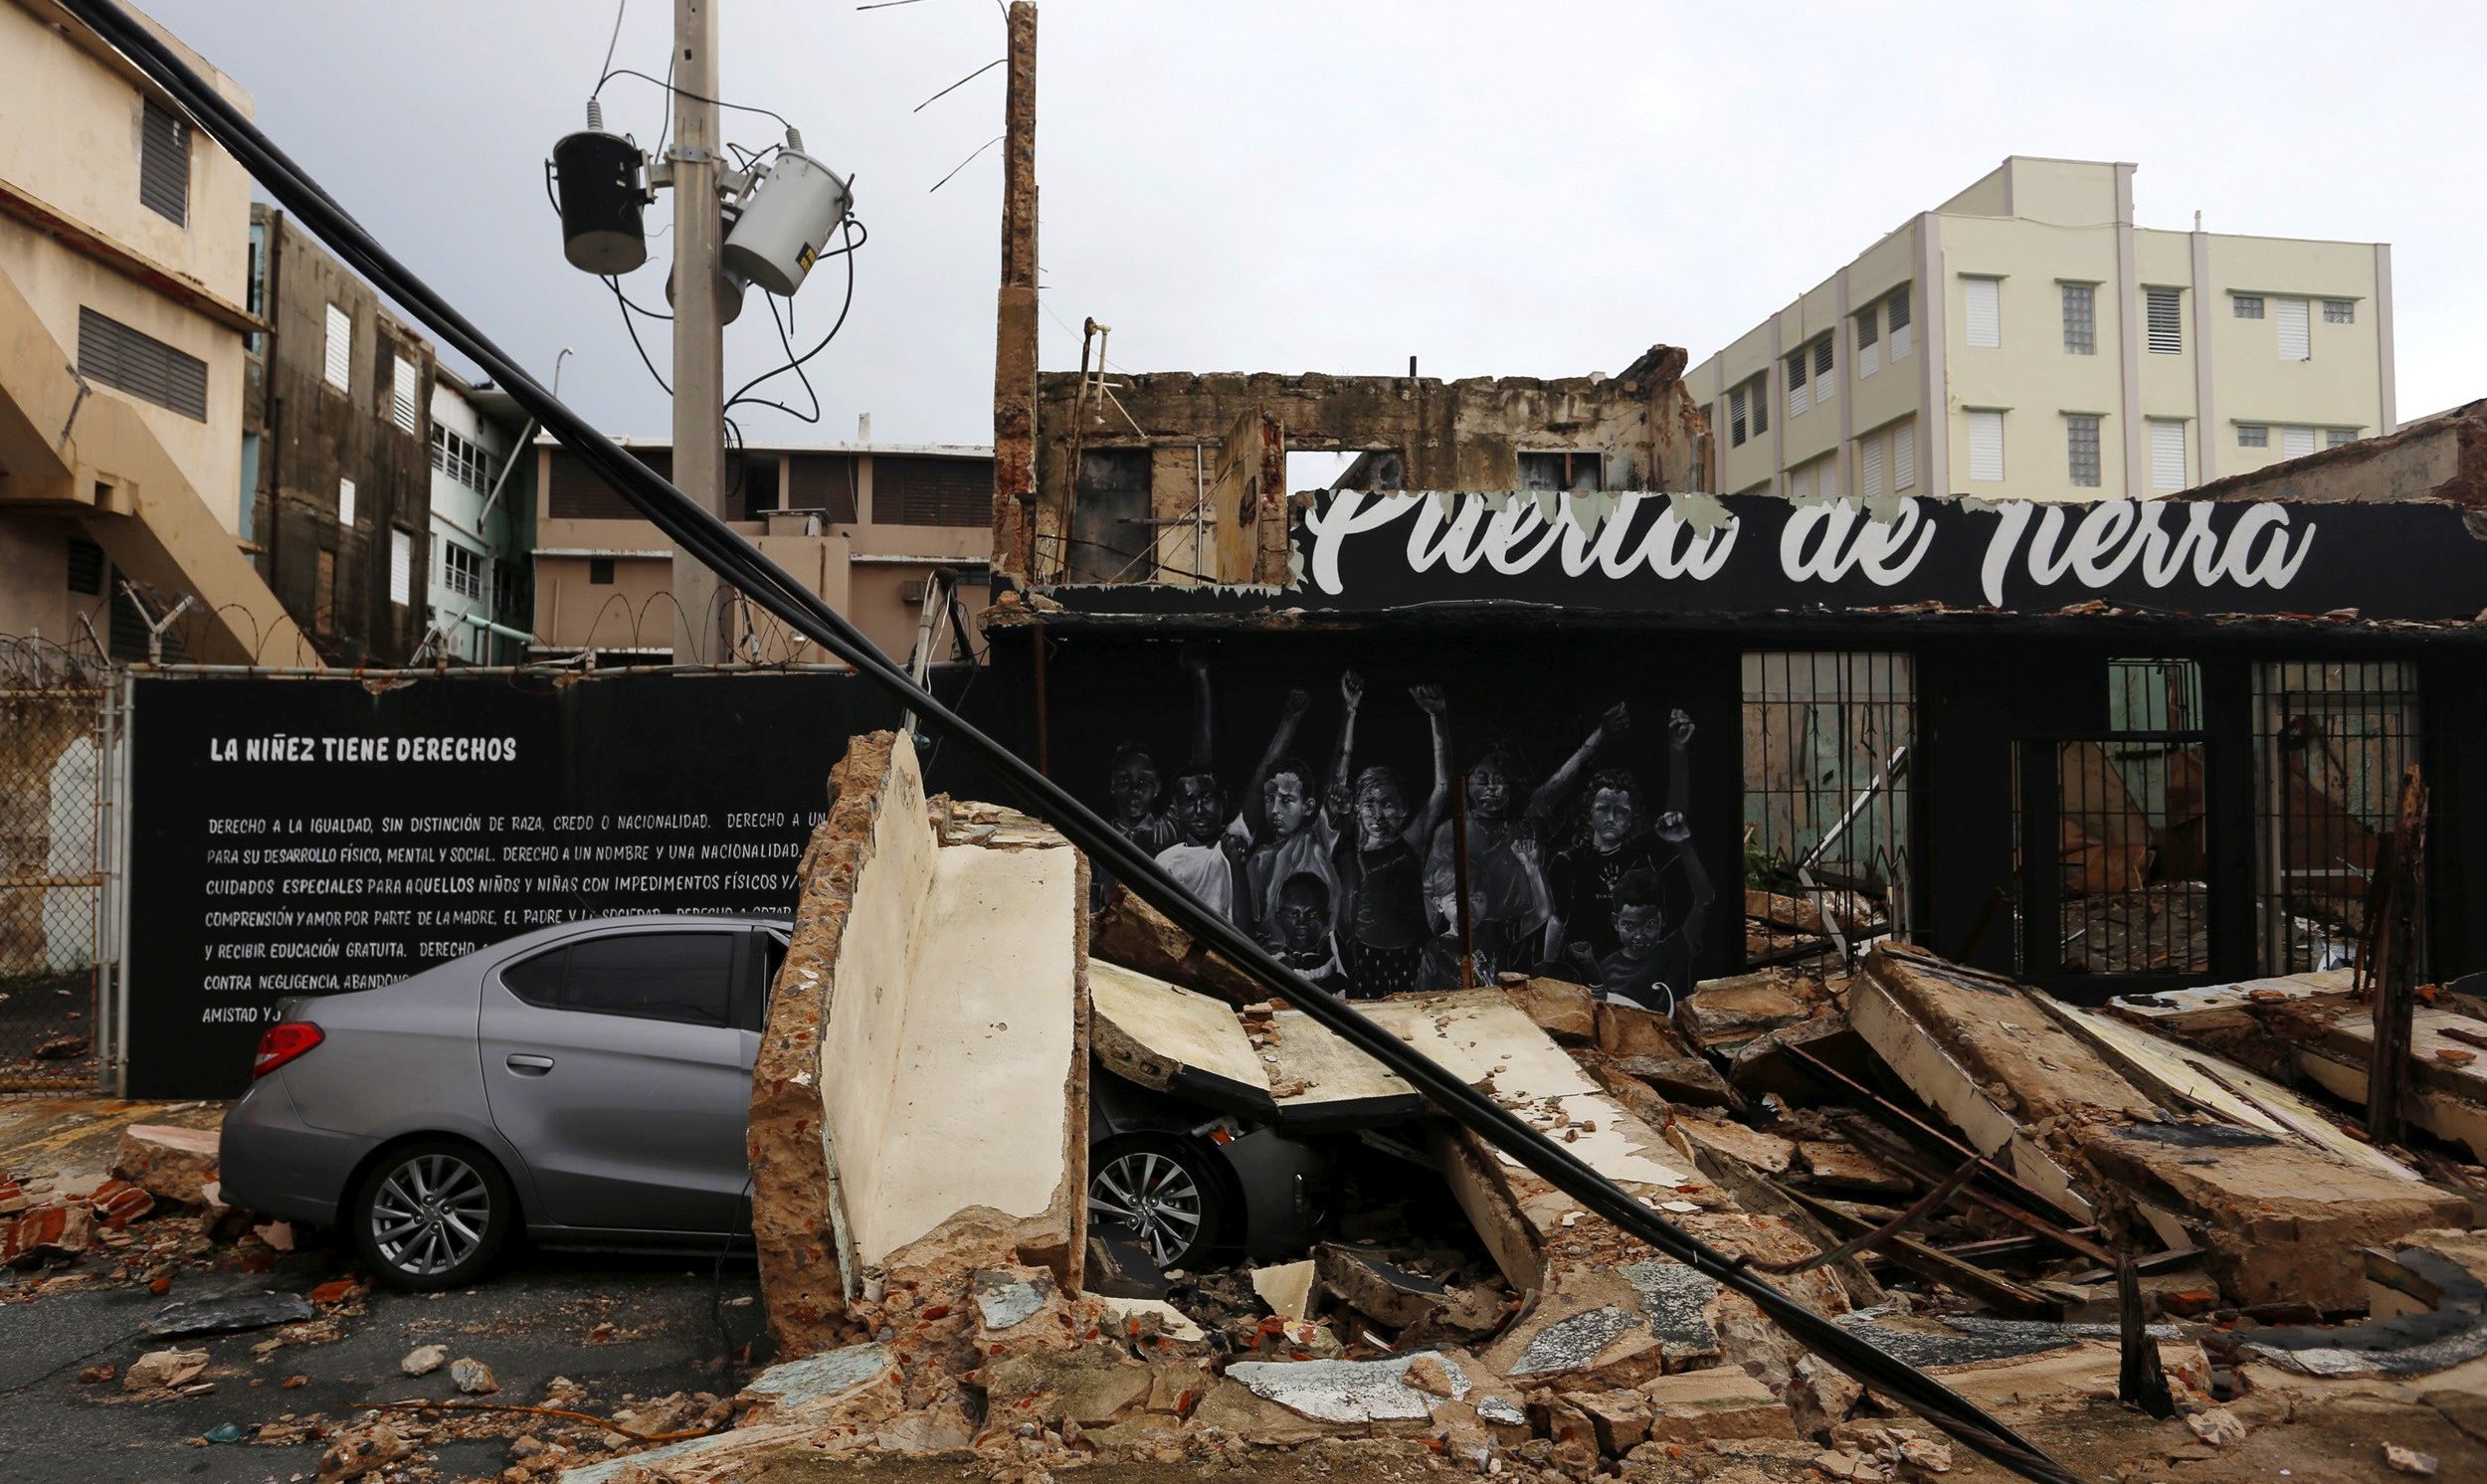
point(168, 1161)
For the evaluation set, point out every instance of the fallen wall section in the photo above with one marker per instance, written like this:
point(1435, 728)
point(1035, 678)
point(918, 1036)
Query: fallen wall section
point(921, 1096)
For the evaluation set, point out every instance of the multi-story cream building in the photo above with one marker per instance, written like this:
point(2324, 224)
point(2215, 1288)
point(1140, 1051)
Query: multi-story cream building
point(867, 527)
point(124, 253)
point(2027, 337)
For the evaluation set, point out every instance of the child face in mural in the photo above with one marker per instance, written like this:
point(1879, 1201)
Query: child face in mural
point(1614, 815)
point(1200, 813)
point(1134, 787)
point(1303, 912)
point(1288, 799)
point(1380, 809)
point(1492, 791)
point(1641, 924)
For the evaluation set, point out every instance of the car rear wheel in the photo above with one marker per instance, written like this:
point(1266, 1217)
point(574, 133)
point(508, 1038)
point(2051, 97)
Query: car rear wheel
point(432, 1213)
point(1160, 1191)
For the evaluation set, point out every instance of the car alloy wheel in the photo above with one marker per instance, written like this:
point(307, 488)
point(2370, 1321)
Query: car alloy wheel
point(1153, 1195)
point(430, 1214)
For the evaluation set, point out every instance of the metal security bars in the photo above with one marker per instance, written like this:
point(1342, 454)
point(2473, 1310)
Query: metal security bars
point(55, 825)
point(2331, 740)
point(1825, 744)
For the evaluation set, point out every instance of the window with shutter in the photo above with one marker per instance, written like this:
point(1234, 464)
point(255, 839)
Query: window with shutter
point(345, 502)
point(112, 353)
point(340, 349)
point(1985, 446)
point(1824, 383)
point(2081, 449)
point(2245, 305)
point(2166, 456)
point(1986, 312)
point(401, 568)
point(164, 164)
point(1896, 306)
point(933, 491)
point(2253, 436)
point(1868, 338)
point(2294, 343)
point(1799, 395)
point(1801, 482)
point(2296, 442)
point(1869, 467)
point(2165, 309)
point(404, 412)
point(2333, 437)
point(1735, 418)
point(1761, 404)
point(2340, 312)
point(2080, 320)
point(1904, 457)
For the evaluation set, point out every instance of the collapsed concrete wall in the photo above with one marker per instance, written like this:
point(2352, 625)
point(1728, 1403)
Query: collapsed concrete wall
point(2280, 1219)
point(936, 983)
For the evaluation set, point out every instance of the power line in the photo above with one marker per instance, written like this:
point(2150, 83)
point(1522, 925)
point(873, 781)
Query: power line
point(961, 83)
point(606, 71)
point(963, 164)
point(625, 71)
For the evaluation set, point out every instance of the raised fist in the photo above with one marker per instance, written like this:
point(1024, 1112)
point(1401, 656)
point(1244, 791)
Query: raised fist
point(1617, 720)
point(1678, 727)
point(1350, 686)
point(1671, 826)
point(1429, 698)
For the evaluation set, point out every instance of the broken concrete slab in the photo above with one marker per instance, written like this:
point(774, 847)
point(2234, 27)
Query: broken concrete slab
point(225, 1314)
point(1423, 1309)
point(167, 1162)
point(1719, 1402)
point(1562, 1009)
point(2439, 1320)
point(829, 1374)
point(1006, 1299)
point(1149, 1319)
point(1175, 1040)
point(1349, 1392)
point(2280, 1220)
point(1727, 1012)
point(1136, 935)
point(934, 998)
point(1768, 1153)
point(2447, 1067)
point(1118, 1267)
point(1286, 1287)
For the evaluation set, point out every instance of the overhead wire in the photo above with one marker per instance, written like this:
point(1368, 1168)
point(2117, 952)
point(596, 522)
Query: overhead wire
point(679, 91)
point(709, 540)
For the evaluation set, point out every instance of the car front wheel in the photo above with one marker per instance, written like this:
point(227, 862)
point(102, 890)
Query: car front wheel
point(432, 1213)
point(1159, 1191)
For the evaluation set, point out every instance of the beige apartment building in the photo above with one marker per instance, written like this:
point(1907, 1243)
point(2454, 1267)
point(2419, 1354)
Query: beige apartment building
point(124, 273)
point(866, 526)
point(2027, 337)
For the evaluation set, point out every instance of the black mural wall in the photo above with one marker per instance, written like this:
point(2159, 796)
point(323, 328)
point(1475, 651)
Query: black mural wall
point(1310, 789)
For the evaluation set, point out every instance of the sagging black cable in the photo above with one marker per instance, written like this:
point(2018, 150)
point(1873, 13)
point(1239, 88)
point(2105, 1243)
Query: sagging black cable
point(707, 538)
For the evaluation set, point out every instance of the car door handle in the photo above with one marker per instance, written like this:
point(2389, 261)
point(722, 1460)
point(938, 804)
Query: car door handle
point(529, 1067)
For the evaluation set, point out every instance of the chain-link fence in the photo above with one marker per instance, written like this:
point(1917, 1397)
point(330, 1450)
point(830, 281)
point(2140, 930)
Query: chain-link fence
point(55, 761)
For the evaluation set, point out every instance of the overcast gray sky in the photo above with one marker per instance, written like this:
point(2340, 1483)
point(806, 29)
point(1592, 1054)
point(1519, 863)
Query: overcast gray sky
point(1496, 189)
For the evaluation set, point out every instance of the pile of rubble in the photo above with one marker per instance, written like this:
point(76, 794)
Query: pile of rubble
point(158, 1210)
point(2022, 1198)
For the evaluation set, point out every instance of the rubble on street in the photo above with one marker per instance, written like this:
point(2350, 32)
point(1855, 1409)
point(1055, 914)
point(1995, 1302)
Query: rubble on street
point(1994, 1169)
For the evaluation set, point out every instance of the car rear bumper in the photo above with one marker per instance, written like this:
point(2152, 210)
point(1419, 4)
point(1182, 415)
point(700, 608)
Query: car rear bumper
point(269, 1161)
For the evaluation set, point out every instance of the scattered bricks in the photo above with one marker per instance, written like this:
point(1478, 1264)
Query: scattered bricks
point(13, 1196)
point(335, 1291)
point(2218, 1428)
point(1150, 1322)
point(117, 1202)
point(45, 1232)
point(168, 1162)
point(1722, 1402)
point(1620, 1419)
point(159, 1370)
point(96, 1375)
point(472, 1377)
point(1562, 1420)
point(358, 1451)
point(423, 1360)
point(1176, 1387)
point(1117, 1267)
point(1566, 1011)
point(2409, 1460)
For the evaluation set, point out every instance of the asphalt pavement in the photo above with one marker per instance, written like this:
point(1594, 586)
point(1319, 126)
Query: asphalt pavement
point(674, 1324)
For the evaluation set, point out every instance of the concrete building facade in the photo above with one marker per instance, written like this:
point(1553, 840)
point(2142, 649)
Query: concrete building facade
point(338, 424)
point(125, 252)
point(864, 525)
point(2027, 337)
point(482, 525)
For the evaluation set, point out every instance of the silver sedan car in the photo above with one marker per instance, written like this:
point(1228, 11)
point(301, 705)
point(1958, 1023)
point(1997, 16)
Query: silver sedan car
point(588, 1083)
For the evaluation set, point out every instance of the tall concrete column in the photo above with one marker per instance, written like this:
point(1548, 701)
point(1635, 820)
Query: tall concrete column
point(1015, 313)
point(700, 623)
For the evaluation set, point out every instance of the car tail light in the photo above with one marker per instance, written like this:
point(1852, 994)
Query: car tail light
point(281, 1042)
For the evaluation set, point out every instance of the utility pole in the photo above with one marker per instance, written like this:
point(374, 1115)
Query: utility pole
point(699, 627)
point(1015, 339)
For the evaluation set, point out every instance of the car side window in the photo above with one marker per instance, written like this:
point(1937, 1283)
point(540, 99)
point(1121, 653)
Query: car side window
point(537, 981)
point(686, 977)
